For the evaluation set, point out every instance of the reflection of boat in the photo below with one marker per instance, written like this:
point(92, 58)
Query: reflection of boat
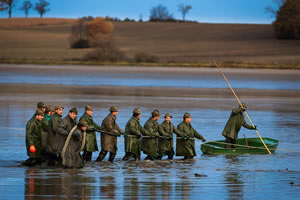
point(243, 146)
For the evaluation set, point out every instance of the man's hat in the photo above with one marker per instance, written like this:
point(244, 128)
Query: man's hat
point(114, 109)
point(89, 107)
point(168, 115)
point(83, 123)
point(51, 108)
point(74, 110)
point(40, 105)
point(187, 115)
point(39, 112)
point(137, 111)
point(58, 107)
point(155, 113)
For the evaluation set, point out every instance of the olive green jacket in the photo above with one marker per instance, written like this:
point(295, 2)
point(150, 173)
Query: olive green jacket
point(91, 140)
point(165, 142)
point(33, 137)
point(234, 124)
point(134, 131)
point(44, 124)
point(186, 147)
point(53, 124)
point(150, 142)
point(109, 141)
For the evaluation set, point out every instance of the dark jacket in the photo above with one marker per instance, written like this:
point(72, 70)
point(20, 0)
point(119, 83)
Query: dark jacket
point(108, 140)
point(33, 137)
point(234, 124)
point(150, 142)
point(53, 124)
point(186, 147)
point(62, 132)
point(134, 131)
point(91, 140)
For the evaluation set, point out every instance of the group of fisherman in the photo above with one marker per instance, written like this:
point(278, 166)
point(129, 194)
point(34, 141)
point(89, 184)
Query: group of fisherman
point(60, 141)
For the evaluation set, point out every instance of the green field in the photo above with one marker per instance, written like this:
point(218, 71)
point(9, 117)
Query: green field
point(187, 44)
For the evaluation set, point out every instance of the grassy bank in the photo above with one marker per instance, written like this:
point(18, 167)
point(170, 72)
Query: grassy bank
point(46, 41)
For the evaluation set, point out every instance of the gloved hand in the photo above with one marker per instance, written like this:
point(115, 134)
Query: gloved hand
point(125, 134)
point(32, 149)
point(243, 109)
point(182, 137)
point(204, 140)
point(255, 127)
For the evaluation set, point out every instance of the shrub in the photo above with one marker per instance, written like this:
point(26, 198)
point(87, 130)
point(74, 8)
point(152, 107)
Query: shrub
point(80, 44)
point(143, 57)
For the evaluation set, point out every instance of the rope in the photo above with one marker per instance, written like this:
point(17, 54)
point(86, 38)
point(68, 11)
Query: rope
point(67, 142)
point(240, 145)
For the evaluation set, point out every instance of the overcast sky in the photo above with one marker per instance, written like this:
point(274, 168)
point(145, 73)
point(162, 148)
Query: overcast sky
point(217, 11)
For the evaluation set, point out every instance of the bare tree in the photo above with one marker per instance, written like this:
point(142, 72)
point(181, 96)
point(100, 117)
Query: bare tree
point(273, 10)
point(27, 5)
point(41, 7)
point(7, 5)
point(184, 9)
point(160, 13)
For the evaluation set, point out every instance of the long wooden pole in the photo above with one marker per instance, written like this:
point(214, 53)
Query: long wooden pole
point(241, 105)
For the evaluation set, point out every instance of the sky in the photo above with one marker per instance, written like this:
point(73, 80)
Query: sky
point(211, 11)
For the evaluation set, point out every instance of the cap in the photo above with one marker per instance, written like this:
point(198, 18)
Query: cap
point(83, 123)
point(89, 107)
point(187, 115)
point(114, 109)
point(137, 111)
point(58, 107)
point(39, 112)
point(155, 113)
point(51, 108)
point(40, 105)
point(74, 110)
point(168, 115)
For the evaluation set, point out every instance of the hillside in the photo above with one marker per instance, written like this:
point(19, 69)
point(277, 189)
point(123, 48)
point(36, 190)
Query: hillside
point(177, 42)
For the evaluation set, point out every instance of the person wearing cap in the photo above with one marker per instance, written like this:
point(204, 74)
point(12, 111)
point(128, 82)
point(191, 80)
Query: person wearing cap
point(165, 142)
point(50, 110)
point(133, 133)
point(186, 146)
point(109, 135)
point(150, 141)
point(52, 128)
point(64, 128)
point(33, 139)
point(91, 140)
point(234, 124)
point(71, 153)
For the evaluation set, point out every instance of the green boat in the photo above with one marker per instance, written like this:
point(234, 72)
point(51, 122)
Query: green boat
point(243, 146)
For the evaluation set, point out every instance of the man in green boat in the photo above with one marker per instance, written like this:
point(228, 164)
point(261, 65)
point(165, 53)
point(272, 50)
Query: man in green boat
point(234, 124)
point(186, 146)
point(150, 138)
point(165, 142)
point(133, 133)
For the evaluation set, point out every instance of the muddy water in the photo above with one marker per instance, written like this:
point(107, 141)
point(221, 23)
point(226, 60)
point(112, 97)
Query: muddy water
point(222, 177)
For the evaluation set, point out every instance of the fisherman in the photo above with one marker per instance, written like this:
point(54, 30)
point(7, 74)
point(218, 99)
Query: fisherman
point(133, 133)
point(71, 157)
point(63, 130)
point(150, 139)
point(165, 142)
point(186, 147)
point(234, 124)
point(41, 106)
point(109, 135)
point(50, 110)
point(33, 139)
point(91, 140)
point(53, 124)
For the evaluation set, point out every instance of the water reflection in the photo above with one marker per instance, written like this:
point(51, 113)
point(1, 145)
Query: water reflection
point(108, 187)
point(131, 188)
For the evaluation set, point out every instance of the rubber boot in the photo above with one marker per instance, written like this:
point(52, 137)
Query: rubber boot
point(170, 157)
point(159, 157)
point(111, 157)
point(101, 156)
point(127, 156)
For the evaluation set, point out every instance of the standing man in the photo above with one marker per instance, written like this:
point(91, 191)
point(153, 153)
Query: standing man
point(71, 157)
point(53, 124)
point(186, 147)
point(133, 133)
point(149, 142)
point(91, 140)
point(64, 128)
point(109, 135)
point(234, 124)
point(33, 139)
point(165, 143)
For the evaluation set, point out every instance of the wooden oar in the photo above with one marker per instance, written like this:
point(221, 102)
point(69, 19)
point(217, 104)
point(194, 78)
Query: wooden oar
point(241, 105)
